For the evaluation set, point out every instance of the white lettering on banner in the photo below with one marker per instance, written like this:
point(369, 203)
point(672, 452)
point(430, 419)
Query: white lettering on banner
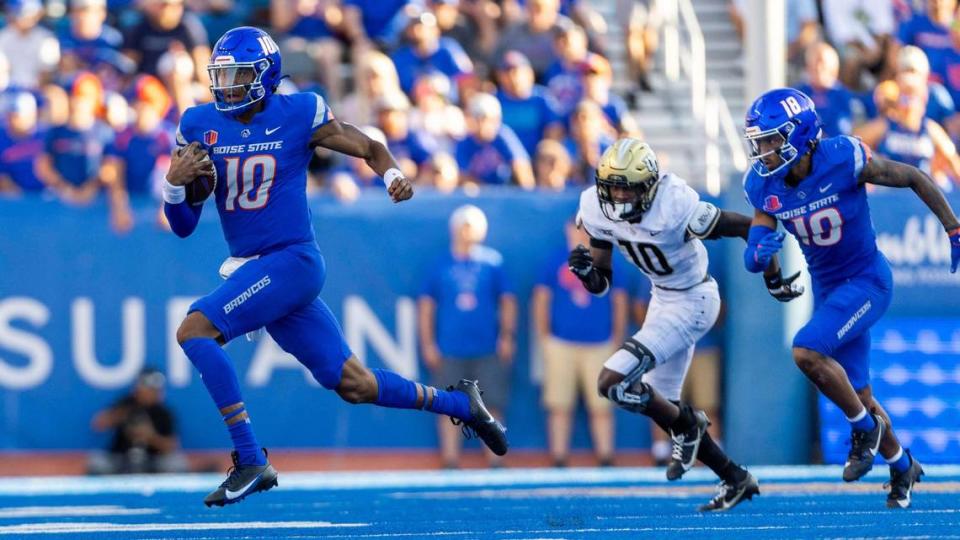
point(33, 347)
point(924, 242)
point(269, 357)
point(133, 339)
point(179, 368)
point(361, 325)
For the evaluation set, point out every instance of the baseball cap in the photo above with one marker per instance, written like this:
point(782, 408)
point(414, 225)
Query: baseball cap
point(484, 105)
point(24, 8)
point(911, 58)
point(513, 59)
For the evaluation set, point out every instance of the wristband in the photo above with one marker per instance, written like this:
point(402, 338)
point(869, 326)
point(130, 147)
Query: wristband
point(173, 194)
point(392, 174)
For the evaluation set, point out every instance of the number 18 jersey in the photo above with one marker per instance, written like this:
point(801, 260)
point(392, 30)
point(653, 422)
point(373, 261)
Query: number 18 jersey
point(827, 212)
point(261, 191)
point(661, 244)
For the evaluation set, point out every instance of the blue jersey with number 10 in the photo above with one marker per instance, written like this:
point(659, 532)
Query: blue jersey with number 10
point(827, 212)
point(261, 169)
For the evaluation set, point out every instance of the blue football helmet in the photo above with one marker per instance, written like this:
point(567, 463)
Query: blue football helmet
point(784, 122)
point(244, 68)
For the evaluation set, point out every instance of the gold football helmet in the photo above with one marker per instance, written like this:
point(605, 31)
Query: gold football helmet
point(627, 179)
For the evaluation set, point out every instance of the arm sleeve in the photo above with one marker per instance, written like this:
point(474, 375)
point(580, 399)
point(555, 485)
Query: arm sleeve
point(183, 217)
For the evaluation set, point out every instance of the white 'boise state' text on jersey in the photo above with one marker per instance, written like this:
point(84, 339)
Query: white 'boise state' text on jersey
point(664, 244)
point(261, 169)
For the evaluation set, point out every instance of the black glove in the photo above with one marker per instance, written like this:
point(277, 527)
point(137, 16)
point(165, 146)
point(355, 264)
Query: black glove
point(784, 289)
point(581, 262)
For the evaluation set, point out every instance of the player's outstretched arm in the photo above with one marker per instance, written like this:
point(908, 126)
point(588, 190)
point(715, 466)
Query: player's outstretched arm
point(347, 139)
point(710, 223)
point(886, 172)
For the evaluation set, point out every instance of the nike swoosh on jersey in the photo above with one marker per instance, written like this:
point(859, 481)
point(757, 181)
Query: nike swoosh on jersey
point(270, 131)
point(823, 189)
point(234, 494)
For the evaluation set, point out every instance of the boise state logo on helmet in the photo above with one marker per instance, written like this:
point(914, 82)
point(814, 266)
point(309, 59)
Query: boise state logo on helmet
point(781, 123)
point(244, 68)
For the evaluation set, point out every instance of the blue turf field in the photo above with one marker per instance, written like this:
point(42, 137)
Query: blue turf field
point(796, 502)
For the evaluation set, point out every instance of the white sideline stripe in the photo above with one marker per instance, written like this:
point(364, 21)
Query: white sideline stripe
point(81, 527)
point(311, 481)
point(63, 511)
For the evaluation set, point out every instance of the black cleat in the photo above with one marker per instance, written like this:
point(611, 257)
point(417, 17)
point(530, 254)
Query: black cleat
point(730, 495)
point(901, 484)
point(241, 481)
point(483, 424)
point(863, 450)
point(685, 447)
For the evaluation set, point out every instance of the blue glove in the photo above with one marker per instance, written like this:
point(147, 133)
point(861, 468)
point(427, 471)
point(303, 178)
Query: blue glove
point(954, 236)
point(767, 247)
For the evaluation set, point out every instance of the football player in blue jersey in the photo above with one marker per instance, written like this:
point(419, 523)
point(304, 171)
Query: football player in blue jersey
point(816, 187)
point(255, 144)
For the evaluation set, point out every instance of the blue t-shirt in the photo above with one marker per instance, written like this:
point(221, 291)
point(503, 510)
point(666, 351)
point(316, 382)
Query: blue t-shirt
point(449, 59)
point(913, 147)
point(933, 38)
point(378, 15)
point(834, 107)
point(950, 76)
point(17, 158)
point(615, 110)
point(491, 162)
point(77, 155)
point(827, 212)
point(529, 117)
point(416, 146)
point(575, 314)
point(90, 51)
point(261, 191)
point(140, 153)
point(565, 85)
point(467, 293)
point(940, 104)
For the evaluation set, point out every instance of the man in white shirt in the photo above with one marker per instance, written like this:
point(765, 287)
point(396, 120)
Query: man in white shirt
point(35, 48)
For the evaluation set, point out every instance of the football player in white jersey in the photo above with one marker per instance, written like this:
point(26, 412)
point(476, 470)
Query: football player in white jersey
point(658, 222)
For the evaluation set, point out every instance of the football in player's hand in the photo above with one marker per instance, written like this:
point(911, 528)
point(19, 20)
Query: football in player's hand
point(202, 186)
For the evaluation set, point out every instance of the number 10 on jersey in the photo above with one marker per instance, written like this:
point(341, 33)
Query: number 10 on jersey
point(242, 188)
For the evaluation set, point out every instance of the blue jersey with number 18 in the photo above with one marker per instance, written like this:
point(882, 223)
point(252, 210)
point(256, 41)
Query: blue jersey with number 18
point(261, 169)
point(827, 212)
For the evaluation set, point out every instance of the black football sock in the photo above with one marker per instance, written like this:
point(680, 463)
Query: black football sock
point(712, 456)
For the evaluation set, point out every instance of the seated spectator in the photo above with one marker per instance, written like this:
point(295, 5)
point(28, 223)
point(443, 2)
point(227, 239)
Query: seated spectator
point(166, 28)
point(491, 152)
point(145, 435)
point(472, 24)
point(552, 166)
point(527, 107)
point(467, 293)
point(903, 133)
point(137, 161)
point(590, 135)
point(35, 48)
point(73, 153)
point(434, 115)
point(219, 16)
point(597, 81)
point(913, 78)
point(348, 181)
point(375, 21)
point(308, 27)
point(565, 78)
point(427, 53)
point(577, 332)
point(534, 35)
point(862, 31)
point(930, 31)
point(21, 143)
point(87, 40)
point(833, 101)
point(375, 77)
point(410, 147)
point(440, 173)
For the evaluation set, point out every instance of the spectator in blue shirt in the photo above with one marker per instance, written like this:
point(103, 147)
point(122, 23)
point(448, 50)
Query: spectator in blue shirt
point(410, 148)
point(552, 167)
point(468, 321)
point(307, 28)
point(565, 78)
point(137, 161)
point(491, 153)
point(833, 101)
point(21, 143)
point(381, 21)
point(427, 53)
point(73, 153)
point(597, 82)
point(577, 333)
point(87, 39)
point(527, 108)
point(931, 32)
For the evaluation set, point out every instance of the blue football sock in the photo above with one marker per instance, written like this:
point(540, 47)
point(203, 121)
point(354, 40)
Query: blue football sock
point(900, 461)
point(399, 393)
point(863, 421)
point(220, 378)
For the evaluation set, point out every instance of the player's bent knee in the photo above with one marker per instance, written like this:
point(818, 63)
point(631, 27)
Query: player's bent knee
point(807, 360)
point(196, 325)
point(606, 380)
